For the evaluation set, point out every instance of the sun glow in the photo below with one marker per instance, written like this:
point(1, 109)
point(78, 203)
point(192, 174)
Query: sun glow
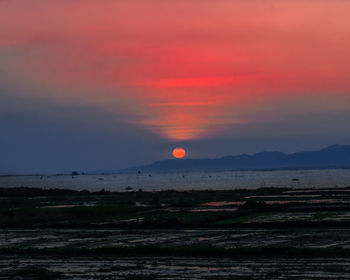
point(182, 77)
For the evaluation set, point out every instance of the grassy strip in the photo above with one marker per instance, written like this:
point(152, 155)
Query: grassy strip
point(34, 272)
point(184, 251)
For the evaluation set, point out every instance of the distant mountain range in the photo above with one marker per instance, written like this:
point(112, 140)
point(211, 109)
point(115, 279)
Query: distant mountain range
point(336, 156)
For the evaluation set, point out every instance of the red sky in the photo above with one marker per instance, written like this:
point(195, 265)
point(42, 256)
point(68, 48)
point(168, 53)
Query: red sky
point(185, 69)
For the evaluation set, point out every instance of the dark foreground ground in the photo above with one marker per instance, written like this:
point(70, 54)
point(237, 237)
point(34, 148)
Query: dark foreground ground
point(239, 234)
point(19, 267)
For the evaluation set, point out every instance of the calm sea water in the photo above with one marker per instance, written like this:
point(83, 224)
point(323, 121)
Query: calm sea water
point(188, 180)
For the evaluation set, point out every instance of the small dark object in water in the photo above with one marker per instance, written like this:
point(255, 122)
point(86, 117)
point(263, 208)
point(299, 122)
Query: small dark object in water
point(295, 180)
point(100, 179)
point(128, 188)
point(75, 173)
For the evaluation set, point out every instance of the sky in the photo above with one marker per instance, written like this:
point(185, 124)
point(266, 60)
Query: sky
point(90, 85)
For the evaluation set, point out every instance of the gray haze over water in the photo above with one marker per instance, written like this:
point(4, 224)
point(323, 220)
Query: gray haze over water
point(187, 180)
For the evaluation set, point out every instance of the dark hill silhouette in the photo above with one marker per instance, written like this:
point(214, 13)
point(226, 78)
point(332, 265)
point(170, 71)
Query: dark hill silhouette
point(336, 156)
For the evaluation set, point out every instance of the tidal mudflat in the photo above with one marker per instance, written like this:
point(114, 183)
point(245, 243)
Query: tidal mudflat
point(220, 238)
point(264, 233)
point(141, 268)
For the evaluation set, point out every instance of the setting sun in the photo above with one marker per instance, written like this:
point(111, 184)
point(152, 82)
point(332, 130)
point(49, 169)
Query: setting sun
point(179, 152)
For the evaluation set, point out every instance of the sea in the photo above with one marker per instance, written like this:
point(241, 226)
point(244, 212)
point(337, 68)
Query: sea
point(228, 180)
